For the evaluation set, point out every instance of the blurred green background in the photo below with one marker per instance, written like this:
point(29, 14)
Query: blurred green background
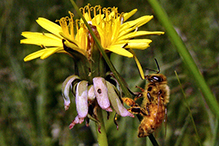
point(31, 105)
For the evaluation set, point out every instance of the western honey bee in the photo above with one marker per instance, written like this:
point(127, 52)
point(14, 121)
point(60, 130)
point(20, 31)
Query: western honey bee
point(153, 108)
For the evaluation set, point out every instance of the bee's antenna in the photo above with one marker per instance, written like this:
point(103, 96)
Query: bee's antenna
point(157, 65)
point(153, 69)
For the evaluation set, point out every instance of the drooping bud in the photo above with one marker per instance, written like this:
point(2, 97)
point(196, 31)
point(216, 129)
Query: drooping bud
point(66, 85)
point(81, 99)
point(91, 94)
point(101, 93)
point(116, 102)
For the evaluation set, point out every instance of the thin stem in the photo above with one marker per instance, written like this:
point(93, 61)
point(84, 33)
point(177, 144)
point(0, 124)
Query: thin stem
point(153, 140)
point(186, 57)
point(101, 137)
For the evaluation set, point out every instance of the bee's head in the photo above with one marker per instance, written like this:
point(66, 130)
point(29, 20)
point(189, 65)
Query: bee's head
point(156, 78)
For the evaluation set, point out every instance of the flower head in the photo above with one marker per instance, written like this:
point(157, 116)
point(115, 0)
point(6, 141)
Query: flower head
point(115, 33)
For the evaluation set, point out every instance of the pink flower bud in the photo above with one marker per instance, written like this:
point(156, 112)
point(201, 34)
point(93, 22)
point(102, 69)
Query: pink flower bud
point(116, 102)
point(81, 99)
point(101, 93)
point(65, 90)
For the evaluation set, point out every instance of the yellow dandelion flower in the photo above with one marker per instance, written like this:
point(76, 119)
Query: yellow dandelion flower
point(116, 34)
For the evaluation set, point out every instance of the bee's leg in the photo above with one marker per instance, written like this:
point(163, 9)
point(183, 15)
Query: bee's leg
point(134, 107)
point(142, 90)
point(129, 101)
point(136, 94)
point(158, 103)
point(139, 94)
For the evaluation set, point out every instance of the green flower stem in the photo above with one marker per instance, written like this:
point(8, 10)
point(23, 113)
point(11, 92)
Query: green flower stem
point(83, 69)
point(97, 63)
point(186, 57)
point(101, 137)
point(153, 140)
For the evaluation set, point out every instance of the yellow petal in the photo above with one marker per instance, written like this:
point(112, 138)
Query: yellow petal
point(115, 29)
point(29, 34)
point(141, 72)
point(143, 20)
point(81, 38)
point(140, 46)
point(97, 19)
point(135, 41)
point(45, 42)
point(132, 25)
point(138, 22)
point(45, 39)
point(49, 52)
point(87, 18)
point(49, 26)
point(34, 55)
point(68, 38)
point(76, 48)
point(43, 54)
point(111, 15)
point(119, 50)
point(129, 14)
point(140, 33)
point(138, 43)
